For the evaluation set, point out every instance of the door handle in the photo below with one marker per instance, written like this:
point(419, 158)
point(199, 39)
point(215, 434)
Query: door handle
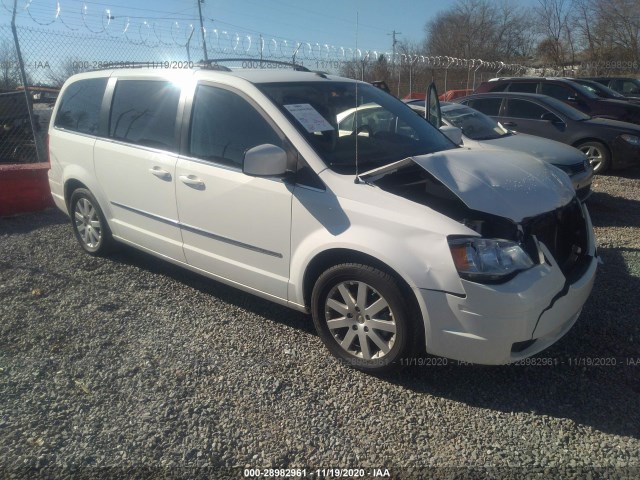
point(192, 181)
point(509, 124)
point(160, 173)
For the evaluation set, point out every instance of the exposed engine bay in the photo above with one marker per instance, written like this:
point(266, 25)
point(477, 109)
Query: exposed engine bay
point(563, 231)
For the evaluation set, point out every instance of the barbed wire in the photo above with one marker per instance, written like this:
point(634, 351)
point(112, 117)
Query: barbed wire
point(180, 32)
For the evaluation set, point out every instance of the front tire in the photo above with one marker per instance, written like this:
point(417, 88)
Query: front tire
point(361, 316)
point(89, 224)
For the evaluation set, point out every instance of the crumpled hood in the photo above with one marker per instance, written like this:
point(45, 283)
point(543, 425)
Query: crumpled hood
point(512, 185)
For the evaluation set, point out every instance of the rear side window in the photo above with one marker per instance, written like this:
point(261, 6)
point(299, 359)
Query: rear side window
point(79, 108)
point(557, 91)
point(144, 112)
point(525, 109)
point(615, 84)
point(488, 106)
point(224, 126)
point(523, 87)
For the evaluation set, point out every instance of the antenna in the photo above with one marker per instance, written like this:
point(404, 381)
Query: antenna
point(356, 109)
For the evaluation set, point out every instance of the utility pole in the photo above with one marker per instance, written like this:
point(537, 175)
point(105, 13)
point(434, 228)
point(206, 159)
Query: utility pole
point(204, 42)
point(393, 61)
point(393, 44)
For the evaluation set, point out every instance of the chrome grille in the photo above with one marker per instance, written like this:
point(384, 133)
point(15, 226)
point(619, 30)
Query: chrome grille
point(573, 169)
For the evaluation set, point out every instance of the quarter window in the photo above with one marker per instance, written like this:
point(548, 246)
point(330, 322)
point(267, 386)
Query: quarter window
point(523, 87)
point(500, 87)
point(80, 106)
point(144, 113)
point(525, 109)
point(224, 126)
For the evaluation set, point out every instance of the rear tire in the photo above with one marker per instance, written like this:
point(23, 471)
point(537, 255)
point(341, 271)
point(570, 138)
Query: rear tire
point(89, 223)
point(598, 155)
point(362, 317)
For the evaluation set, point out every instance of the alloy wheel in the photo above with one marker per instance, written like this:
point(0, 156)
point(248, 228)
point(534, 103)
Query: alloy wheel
point(360, 320)
point(87, 223)
point(594, 155)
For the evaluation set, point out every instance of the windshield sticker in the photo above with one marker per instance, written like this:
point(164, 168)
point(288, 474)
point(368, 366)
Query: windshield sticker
point(309, 117)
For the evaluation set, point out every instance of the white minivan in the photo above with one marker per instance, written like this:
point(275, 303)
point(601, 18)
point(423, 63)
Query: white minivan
point(395, 239)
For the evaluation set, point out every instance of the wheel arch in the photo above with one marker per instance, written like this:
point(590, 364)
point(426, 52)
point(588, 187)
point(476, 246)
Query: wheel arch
point(70, 186)
point(336, 256)
point(592, 139)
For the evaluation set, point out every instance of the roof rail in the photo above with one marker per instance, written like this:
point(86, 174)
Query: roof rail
point(527, 77)
point(212, 65)
point(254, 63)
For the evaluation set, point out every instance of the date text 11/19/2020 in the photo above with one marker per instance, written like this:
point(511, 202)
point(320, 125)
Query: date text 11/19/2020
point(532, 362)
point(317, 473)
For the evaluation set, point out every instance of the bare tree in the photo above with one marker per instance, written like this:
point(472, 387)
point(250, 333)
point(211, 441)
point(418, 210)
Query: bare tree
point(480, 29)
point(553, 18)
point(582, 24)
point(9, 69)
point(619, 28)
point(68, 68)
point(607, 33)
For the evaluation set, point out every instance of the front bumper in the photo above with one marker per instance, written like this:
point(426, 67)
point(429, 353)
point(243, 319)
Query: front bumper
point(624, 154)
point(499, 324)
point(582, 183)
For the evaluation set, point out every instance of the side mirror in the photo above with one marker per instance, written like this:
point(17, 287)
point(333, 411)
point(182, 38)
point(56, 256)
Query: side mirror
point(453, 133)
point(265, 161)
point(550, 117)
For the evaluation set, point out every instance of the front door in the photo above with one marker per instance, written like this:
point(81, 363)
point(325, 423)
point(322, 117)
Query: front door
point(233, 225)
point(529, 117)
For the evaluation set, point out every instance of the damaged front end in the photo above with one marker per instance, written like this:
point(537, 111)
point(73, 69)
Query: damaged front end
point(513, 205)
point(528, 271)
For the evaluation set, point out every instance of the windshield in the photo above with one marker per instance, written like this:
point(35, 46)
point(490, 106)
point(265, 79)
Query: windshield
point(600, 90)
point(474, 124)
point(568, 110)
point(384, 130)
point(585, 91)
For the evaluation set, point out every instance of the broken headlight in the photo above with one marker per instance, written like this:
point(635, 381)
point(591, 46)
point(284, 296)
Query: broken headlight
point(488, 260)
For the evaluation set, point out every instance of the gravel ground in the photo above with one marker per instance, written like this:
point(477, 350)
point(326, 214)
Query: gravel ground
point(127, 366)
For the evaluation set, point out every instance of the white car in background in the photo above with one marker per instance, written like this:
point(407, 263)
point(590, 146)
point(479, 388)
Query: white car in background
point(482, 132)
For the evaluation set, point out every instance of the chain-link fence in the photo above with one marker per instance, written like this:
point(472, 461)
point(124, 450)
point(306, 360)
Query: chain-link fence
point(51, 54)
point(52, 45)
